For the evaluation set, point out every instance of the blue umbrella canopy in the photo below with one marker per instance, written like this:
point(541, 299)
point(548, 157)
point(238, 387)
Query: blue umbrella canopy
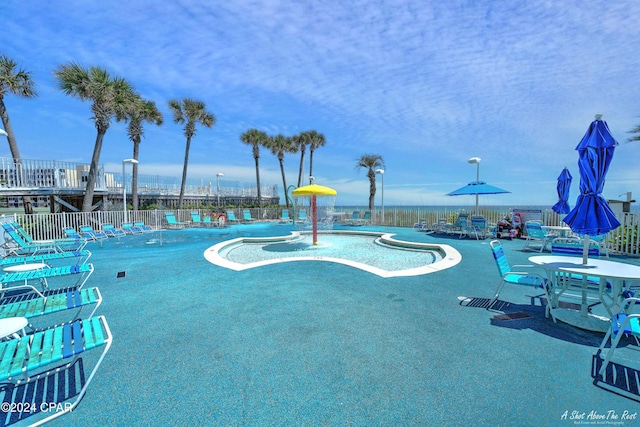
point(477, 187)
point(592, 215)
point(564, 183)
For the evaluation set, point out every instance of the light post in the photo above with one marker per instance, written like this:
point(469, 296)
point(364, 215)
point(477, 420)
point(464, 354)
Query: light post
point(124, 186)
point(381, 173)
point(471, 161)
point(3, 133)
point(218, 175)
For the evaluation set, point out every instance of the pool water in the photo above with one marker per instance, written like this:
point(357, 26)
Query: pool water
point(361, 249)
point(377, 253)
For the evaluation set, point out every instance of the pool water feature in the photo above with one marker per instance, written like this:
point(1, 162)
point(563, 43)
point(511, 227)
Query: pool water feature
point(375, 252)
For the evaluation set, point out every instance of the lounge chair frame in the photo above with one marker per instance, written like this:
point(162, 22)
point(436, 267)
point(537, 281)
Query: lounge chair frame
point(31, 358)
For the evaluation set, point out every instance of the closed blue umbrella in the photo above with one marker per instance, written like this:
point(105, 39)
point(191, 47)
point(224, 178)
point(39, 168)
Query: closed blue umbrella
point(564, 183)
point(591, 215)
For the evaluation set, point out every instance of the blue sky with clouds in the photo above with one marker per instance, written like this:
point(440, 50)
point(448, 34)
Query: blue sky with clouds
point(426, 85)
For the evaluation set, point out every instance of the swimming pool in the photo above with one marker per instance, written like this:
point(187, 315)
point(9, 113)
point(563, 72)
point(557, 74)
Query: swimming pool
point(375, 252)
point(323, 343)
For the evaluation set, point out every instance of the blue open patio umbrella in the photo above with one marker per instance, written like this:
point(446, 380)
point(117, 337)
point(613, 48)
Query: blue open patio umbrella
point(591, 215)
point(564, 183)
point(476, 188)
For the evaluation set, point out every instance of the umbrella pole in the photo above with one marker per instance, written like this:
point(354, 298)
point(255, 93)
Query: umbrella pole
point(585, 250)
point(314, 219)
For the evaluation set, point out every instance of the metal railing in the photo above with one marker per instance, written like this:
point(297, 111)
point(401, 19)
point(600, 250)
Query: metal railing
point(625, 240)
point(53, 174)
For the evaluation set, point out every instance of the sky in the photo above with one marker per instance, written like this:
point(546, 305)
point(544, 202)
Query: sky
point(426, 85)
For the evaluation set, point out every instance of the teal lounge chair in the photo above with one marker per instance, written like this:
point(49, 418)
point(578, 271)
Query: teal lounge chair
point(112, 231)
point(515, 277)
point(83, 256)
point(16, 244)
point(366, 219)
point(231, 217)
point(83, 271)
point(302, 215)
point(246, 216)
point(142, 226)
point(32, 305)
point(355, 216)
point(129, 228)
point(32, 358)
point(89, 233)
point(535, 233)
point(625, 322)
point(285, 216)
point(172, 222)
point(195, 219)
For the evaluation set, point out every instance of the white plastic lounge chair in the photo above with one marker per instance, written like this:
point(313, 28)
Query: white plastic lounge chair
point(172, 222)
point(625, 322)
point(129, 228)
point(515, 277)
point(246, 216)
point(88, 232)
point(142, 226)
point(32, 358)
point(421, 225)
point(112, 231)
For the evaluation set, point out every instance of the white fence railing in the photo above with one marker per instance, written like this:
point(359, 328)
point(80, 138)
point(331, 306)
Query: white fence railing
point(625, 240)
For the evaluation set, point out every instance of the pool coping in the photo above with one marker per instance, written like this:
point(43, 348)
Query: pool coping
point(450, 256)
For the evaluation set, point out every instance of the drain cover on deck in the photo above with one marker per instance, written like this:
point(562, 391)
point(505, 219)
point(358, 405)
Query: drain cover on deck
point(512, 316)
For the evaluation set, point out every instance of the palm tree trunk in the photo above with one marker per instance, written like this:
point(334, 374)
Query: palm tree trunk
point(184, 172)
point(134, 175)
point(372, 189)
point(87, 202)
point(301, 165)
point(13, 146)
point(284, 182)
point(311, 162)
point(258, 183)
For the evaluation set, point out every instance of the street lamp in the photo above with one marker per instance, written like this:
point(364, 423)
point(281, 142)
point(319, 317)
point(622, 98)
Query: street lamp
point(124, 186)
point(218, 175)
point(381, 172)
point(3, 133)
point(471, 161)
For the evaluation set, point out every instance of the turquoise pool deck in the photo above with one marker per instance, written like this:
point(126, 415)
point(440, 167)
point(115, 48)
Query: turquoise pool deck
point(317, 343)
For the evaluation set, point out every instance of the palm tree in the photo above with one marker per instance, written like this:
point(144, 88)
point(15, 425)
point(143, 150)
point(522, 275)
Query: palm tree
point(316, 140)
point(635, 130)
point(19, 83)
point(190, 112)
point(279, 145)
point(110, 97)
point(139, 111)
point(301, 141)
point(371, 162)
point(255, 138)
